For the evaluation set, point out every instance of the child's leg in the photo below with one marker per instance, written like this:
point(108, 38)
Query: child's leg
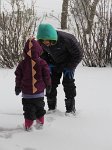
point(40, 112)
point(29, 112)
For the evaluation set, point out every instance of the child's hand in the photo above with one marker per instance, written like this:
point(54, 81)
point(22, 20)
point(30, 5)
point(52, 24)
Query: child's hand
point(17, 90)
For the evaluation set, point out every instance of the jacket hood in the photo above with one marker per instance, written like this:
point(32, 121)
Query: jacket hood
point(32, 49)
point(46, 32)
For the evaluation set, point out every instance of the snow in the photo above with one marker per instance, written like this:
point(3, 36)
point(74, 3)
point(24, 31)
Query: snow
point(90, 129)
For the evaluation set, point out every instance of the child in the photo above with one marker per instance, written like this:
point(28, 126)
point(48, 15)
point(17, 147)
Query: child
point(32, 77)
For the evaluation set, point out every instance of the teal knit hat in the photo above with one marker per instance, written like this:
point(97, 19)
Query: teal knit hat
point(46, 32)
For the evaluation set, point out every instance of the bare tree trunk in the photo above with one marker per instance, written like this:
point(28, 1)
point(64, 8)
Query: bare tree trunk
point(92, 25)
point(0, 7)
point(92, 14)
point(64, 14)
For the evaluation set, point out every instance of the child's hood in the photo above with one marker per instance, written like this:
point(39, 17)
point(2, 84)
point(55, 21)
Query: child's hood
point(32, 49)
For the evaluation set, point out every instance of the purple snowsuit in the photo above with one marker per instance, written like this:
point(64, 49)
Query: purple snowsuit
point(32, 73)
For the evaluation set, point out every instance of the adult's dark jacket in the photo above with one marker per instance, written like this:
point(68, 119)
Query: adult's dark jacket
point(67, 52)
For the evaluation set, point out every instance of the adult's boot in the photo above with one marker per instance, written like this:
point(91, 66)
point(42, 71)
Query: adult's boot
point(51, 103)
point(70, 105)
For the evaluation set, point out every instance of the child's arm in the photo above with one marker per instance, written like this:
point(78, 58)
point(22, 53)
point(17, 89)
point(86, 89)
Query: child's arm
point(18, 78)
point(46, 74)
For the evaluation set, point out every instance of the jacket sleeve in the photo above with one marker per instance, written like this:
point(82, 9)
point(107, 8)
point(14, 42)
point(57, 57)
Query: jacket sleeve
point(46, 74)
point(18, 74)
point(75, 51)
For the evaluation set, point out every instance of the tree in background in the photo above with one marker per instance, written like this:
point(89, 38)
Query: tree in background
point(91, 22)
point(15, 27)
point(64, 14)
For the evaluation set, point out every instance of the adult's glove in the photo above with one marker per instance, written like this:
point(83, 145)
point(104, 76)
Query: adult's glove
point(17, 90)
point(69, 73)
point(48, 89)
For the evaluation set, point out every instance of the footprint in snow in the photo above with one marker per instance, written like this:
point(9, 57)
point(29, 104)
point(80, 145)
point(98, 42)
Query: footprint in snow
point(8, 132)
point(29, 149)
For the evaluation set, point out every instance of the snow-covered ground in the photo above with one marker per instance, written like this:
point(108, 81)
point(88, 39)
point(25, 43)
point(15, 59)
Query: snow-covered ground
point(90, 129)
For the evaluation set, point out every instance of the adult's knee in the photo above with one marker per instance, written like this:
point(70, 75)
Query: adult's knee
point(69, 87)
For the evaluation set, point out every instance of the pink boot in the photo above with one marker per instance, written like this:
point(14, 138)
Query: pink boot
point(28, 124)
point(40, 122)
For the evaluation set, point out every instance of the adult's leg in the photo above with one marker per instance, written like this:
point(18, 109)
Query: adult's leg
point(70, 93)
point(52, 96)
